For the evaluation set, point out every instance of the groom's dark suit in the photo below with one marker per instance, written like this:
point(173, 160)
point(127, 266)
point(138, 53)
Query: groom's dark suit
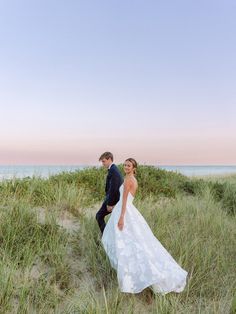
point(113, 183)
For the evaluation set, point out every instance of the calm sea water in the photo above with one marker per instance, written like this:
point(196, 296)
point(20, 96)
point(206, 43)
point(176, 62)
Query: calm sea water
point(8, 172)
point(201, 170)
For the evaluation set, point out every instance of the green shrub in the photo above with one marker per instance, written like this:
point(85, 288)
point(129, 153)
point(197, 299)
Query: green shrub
point(229, 198)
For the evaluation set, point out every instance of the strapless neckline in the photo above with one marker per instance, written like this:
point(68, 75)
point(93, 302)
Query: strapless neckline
point(122, 185)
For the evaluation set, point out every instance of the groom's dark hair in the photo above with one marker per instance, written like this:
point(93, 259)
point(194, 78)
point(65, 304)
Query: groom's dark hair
point(106, 155)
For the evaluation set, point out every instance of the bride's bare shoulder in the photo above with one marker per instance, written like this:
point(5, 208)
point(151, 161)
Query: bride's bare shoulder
point(131, 181)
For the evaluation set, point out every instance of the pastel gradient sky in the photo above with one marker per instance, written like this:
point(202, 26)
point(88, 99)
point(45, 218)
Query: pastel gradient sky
point(153, 80)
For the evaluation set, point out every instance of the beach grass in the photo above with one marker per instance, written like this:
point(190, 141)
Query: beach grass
point(52, 259)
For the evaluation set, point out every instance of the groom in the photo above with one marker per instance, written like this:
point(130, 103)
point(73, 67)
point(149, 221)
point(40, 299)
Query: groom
point(113, 183)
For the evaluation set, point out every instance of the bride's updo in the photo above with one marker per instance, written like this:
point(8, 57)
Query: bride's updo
point(134, 163)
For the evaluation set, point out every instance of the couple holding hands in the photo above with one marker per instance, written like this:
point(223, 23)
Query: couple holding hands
point(134, 252)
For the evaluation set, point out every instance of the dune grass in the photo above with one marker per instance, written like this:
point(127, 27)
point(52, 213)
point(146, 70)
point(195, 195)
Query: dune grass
point(44, 268)
point(199, 234)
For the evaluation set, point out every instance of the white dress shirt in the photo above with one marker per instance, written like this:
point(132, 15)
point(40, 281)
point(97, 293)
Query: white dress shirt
point(110, 166)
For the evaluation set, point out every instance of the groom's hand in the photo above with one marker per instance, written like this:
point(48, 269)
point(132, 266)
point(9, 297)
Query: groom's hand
point(109, 208)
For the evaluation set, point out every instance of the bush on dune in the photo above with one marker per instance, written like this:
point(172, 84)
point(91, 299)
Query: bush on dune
point(153, 182)
point(225, 193)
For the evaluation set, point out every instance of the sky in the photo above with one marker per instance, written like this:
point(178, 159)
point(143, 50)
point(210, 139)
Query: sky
point(152, 80)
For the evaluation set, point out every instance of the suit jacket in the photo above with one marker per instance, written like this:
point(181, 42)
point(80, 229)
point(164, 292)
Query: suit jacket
point(113, 183)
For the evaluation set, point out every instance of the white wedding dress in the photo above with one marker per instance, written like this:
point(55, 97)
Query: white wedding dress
point(138, 257)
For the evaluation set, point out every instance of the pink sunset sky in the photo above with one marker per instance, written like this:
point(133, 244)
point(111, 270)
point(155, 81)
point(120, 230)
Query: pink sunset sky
point(154, 81)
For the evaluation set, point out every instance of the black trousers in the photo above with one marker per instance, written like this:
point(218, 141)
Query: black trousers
point(101, 214)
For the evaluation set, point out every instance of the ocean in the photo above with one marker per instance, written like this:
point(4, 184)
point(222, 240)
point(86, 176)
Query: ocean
point(21, 171)
point(202, 170)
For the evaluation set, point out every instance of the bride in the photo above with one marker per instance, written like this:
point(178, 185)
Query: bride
point(134, 252)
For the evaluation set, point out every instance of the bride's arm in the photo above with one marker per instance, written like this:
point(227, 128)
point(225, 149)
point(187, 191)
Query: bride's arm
point(127, 186)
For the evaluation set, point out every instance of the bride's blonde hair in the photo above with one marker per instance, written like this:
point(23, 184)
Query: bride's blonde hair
point(134, 163)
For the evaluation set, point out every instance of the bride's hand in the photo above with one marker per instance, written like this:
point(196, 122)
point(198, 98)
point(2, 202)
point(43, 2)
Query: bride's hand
point(121, 223)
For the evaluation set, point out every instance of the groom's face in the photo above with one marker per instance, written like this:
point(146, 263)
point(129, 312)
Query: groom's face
point(106, 162)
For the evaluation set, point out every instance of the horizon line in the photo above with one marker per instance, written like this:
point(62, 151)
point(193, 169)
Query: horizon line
point(118, 163)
